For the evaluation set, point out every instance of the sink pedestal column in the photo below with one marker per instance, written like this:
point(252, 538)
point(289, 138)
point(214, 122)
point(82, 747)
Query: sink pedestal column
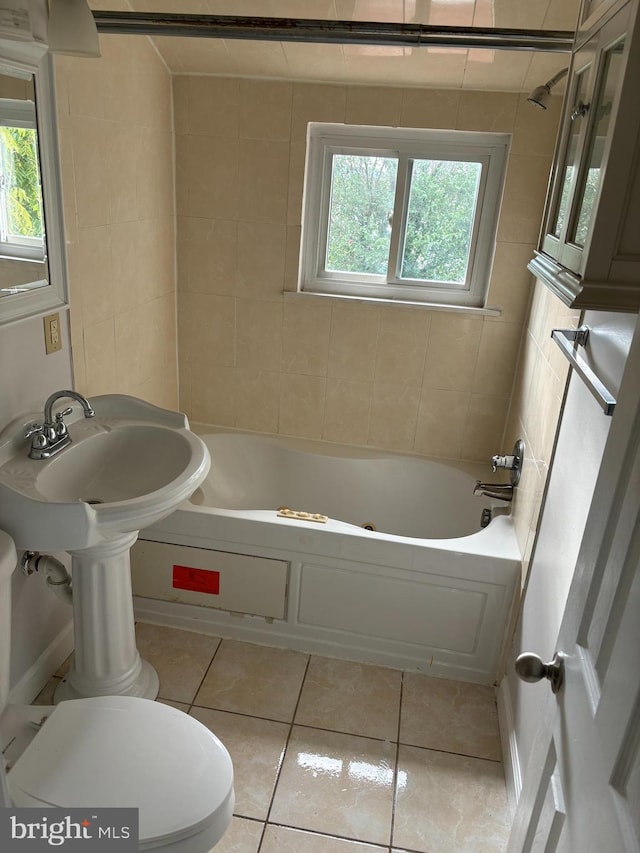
point(106, 660)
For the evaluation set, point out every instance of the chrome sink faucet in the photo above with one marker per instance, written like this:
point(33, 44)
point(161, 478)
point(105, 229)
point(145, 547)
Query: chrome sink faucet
point(52, 436)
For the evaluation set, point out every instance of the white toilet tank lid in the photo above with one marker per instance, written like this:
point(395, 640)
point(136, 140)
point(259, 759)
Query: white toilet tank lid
point(124, 751)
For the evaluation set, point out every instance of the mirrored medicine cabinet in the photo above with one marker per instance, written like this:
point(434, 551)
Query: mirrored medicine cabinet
point(32, 259)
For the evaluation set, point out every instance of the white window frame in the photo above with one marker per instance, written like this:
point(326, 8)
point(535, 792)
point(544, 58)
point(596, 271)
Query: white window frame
point(407, 145)
point(14, 113)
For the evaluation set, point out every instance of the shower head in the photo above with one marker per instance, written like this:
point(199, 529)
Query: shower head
point(541, 94)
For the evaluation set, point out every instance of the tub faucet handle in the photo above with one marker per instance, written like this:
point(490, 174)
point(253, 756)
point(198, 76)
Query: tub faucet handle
point(502, 462)
point(511, 462)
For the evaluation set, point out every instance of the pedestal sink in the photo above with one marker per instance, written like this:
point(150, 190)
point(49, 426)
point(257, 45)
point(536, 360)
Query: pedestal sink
point(128, 467)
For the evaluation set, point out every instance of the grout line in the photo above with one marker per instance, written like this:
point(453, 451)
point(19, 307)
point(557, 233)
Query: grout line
point(284, 753)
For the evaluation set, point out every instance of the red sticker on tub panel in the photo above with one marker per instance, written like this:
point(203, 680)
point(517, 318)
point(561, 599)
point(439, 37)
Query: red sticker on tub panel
point(196, 580)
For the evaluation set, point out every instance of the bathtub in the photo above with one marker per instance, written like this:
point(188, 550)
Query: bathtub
point(352, 553)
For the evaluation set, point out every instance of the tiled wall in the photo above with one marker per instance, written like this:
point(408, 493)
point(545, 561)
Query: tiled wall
point(538, 393)
point(116, 141)
point(434, 382)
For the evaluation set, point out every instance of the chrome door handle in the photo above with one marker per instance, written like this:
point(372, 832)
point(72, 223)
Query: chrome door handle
point(529, 667)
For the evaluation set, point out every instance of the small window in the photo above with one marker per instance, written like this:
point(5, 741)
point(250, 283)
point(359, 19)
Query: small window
point(401, 214)
point(21, 209)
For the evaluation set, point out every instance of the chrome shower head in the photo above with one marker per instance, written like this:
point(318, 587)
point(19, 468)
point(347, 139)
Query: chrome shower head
point(541, 94)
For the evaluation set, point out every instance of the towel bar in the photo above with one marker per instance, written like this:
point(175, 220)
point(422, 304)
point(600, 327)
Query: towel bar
point(569, 340)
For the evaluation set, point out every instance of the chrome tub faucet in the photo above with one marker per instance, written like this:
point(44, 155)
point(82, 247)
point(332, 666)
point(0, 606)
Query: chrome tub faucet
point(513, 464)
point(52, 436)
point(501, 491)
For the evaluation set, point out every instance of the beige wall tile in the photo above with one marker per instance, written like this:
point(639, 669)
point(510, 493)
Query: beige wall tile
point(263, 184)
point(442, 417)
point(257, 396)
point(305, 340)
point(90, 142)
point(402, 346)
point(180, 88)
point(302, 405)
point(535, 130)
point(213, 394)
point(524, 195)
point(454, 341)
point(292, 259)
point(210, 325)
point(430, 108)
point(261, 259)
point(486, 420)
point(123, 158)
point(316, 102)
point(394, 412)
point(487, 111)
point(211, 167)
point(497, 359)
point(373, 105)
point(100, 357)
point(207, 255)
point(353, 341)
point(259, 334)
point(118, 164)
point(347, 410)
point(265, 109)
point(511, 286)
point(90, 266)
point(296, 182)
point(213, 106)
point(154, 179)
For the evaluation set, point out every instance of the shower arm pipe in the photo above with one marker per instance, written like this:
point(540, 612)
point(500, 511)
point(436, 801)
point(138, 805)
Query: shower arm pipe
point(329, 31)
point(557, 78)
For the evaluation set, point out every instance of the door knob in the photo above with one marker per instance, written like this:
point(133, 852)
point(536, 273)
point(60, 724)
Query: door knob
point(529, 667)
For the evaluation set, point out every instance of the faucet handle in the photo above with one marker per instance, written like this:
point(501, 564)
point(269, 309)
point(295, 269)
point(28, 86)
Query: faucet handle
point(37, 435)
point(61, 427)
point(508, 462)
point(32, 429)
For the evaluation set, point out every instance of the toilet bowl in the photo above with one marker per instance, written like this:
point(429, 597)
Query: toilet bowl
point(122, 751)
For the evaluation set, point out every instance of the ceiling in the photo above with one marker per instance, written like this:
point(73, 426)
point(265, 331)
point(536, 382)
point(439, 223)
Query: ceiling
point(436, 67)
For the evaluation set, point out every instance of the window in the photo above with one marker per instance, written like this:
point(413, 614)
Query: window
point(401, 214)
point(21, 211)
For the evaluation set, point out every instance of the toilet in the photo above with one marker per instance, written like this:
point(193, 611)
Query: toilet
point(120, 751)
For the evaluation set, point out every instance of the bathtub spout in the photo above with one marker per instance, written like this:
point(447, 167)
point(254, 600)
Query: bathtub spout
point(501, 491)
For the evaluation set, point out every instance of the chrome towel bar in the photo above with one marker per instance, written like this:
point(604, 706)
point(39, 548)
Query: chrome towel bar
point(569, 340)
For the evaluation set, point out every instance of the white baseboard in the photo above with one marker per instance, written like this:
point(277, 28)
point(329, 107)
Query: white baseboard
point(39, 673)
point(510, 758)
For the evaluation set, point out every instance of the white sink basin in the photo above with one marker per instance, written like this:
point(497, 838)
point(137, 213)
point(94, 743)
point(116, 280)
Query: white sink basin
point(126, 468)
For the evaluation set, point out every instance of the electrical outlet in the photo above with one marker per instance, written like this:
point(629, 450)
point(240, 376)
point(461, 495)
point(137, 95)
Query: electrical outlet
point(52, 333)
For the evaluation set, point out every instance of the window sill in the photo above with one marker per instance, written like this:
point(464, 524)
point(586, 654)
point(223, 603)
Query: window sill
point(370, 300)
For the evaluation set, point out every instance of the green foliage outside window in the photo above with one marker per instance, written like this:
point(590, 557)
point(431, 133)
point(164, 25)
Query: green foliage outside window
point(439, 220)
point(362, 194)
point(21, 182)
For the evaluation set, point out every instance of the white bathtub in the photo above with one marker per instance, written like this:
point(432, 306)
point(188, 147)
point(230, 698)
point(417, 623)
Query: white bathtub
point(427, 590)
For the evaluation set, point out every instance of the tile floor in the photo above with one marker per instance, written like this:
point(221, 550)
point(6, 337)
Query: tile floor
point(338, 757)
